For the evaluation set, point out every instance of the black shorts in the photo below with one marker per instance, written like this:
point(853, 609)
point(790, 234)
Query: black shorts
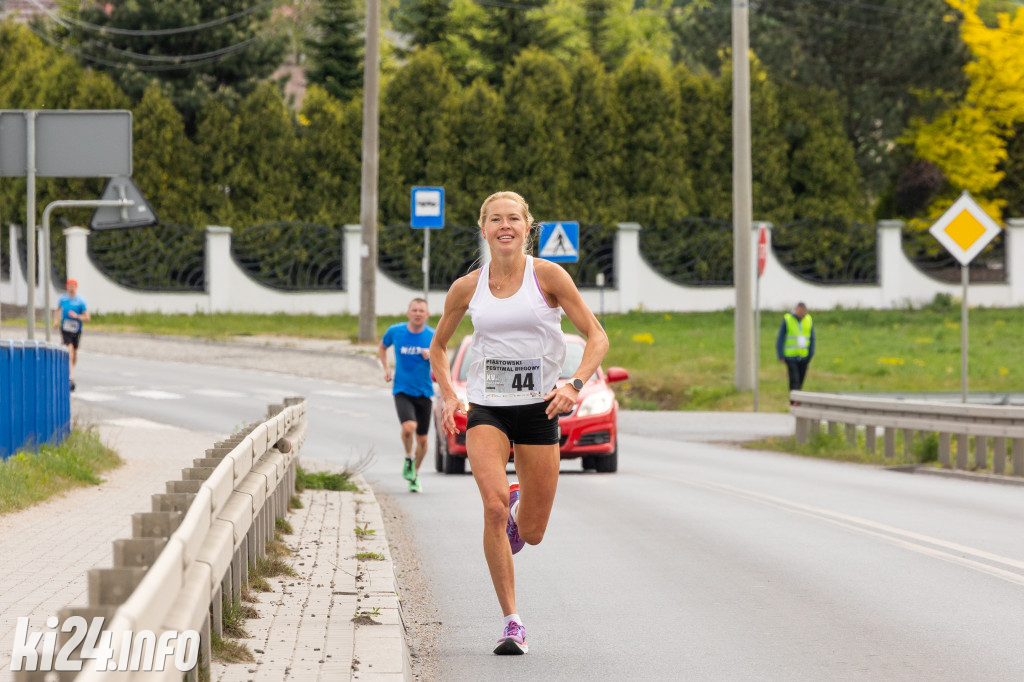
point(71, 339)
point(523, 424)
point(414, 408)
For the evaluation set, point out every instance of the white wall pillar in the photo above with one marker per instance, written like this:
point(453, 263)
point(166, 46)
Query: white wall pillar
point(1015, 259)
point(218, 268)
point(78, 266)
point(890, 260)
point(627, 266)
point(353, 263)
point(19, 290)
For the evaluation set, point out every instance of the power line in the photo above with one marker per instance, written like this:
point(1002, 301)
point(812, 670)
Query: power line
point(154, 68)
point(67, 22)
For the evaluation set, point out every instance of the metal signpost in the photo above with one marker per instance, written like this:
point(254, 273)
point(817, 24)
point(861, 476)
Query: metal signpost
point(964, 229)
point(762, 258)
point(560, 242)
point(60, 144)
point(427, 215)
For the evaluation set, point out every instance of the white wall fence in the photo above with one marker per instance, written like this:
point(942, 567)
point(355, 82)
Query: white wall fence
point(638, 286)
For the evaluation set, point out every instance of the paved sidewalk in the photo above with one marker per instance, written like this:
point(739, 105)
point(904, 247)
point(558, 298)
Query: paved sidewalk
point(305, 630)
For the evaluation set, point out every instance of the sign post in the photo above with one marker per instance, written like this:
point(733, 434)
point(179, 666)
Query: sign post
point(762, 258)
point(964, 229)
point(60, 144)
point(427, 214)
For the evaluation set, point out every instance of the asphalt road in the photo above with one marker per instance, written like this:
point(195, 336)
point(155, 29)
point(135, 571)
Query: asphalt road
point(698, 560)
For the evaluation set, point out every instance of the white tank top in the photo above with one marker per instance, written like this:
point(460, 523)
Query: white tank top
point(518, 346)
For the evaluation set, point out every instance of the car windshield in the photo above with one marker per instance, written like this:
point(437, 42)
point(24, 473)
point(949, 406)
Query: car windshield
point(573, 356)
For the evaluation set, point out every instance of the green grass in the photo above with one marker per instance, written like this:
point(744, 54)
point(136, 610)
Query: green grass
point(322, 480)
point(684, 361)
point(27, 478)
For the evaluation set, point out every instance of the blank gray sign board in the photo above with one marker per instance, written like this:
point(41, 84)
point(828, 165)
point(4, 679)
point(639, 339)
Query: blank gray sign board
point(69, 144)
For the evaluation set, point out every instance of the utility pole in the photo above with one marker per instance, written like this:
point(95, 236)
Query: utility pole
point(742, 199)
point(368, 193)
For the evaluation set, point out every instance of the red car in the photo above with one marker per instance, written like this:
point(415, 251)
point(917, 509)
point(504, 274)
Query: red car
point(589, 432)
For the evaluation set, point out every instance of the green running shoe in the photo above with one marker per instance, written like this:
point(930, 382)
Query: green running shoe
point(414, 485)
point(408, 470)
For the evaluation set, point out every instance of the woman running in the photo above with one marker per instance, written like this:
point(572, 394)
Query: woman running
point(516, 304)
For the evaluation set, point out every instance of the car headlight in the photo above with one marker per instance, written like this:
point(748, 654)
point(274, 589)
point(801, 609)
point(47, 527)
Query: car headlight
point(596, 403)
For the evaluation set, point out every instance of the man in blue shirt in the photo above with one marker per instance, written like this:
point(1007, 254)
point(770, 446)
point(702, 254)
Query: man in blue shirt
point(413, 387)
point(68, 316)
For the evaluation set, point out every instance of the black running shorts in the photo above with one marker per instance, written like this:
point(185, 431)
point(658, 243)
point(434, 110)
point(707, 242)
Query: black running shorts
point(414, 408)
point(71, 339)
point(523, 424)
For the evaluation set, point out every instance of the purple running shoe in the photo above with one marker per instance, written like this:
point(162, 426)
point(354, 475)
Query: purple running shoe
point(513, 641)
point(511, 527)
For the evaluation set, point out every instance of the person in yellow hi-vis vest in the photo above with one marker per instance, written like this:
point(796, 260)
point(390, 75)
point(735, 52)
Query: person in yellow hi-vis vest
point(795, 345)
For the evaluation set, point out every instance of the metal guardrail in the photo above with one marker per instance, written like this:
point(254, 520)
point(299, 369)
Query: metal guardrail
point(35, 395)
point(192, 552)
point(980, 422)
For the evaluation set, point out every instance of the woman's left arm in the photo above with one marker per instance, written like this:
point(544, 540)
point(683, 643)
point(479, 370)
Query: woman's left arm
point(560, 290)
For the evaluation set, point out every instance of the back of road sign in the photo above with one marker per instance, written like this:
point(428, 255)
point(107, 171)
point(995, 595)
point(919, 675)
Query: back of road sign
point(69, 144)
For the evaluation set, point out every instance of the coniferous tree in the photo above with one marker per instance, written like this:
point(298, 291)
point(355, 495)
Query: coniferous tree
point(424, 22)
point(481, 171)
point(654, 175)
point(537, 97)
point(336, 49)
point(329, 142)
point(165, 160)
point(192, 48)
point(594, 140)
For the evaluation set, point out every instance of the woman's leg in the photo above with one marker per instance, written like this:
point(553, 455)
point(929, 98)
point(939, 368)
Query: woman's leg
point(537, 469)
point(487, 448)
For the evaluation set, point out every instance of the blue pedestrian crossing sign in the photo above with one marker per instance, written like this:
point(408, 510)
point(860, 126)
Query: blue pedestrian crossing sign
point(428, 207)
point(560, 242)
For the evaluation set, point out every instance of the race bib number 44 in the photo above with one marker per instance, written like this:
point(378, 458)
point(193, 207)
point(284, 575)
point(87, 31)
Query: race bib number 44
point(513, 379)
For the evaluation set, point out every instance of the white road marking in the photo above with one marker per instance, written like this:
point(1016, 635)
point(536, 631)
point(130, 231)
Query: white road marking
point(93, 396)
point(155, 395)
point(136, 423)
point(1011, 570)
point(217, 393)
point(338, 394)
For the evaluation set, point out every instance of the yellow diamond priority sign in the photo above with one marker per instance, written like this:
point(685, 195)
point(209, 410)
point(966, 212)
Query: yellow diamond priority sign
point(965, 229)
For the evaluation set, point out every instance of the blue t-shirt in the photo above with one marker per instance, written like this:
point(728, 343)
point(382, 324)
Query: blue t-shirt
point(412, 370)
point(68, 303)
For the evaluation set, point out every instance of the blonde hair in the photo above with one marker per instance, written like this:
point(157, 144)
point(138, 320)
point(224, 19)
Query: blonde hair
point(524, 209)
point(512, 196)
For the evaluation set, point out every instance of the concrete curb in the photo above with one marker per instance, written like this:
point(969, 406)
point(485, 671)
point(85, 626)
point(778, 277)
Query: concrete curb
point(340, 617)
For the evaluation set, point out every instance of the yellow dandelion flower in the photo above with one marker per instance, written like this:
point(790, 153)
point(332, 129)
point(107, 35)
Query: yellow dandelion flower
point(303, 121)
point(923, 339)
point(890, 361)
point(667, 316)
point(643, 338)
point(1003, 371)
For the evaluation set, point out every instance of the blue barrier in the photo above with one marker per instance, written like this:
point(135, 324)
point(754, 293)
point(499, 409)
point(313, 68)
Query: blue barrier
point(35, 395)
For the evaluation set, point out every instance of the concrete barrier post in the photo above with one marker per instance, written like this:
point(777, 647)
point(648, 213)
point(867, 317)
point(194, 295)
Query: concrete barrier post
point(998, 455)
point(851, 434)
point(981, 452)
point(870, 435)
point(963, 449)
point(890, 443)
point(1018, 456)
point(945, 450)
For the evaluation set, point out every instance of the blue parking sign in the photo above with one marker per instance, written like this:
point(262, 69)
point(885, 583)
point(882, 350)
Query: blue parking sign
point(428, 207)
point(560, 242)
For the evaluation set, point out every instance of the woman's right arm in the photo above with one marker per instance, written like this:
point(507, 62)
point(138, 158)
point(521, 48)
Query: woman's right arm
point(456, 303)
